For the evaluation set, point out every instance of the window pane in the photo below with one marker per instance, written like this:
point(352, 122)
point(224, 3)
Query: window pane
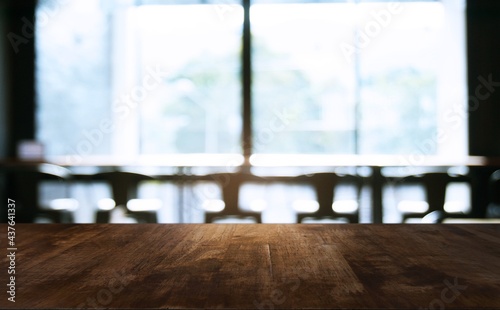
point(367, 77)
point(197, 108)
point(72, 77)
point(124, 80)
point(407, 78)
point(303, 88)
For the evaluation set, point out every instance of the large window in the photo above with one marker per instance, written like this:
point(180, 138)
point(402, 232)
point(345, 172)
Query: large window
point(157, 78)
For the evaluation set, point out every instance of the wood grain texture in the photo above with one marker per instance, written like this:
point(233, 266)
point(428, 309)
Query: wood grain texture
point(266, 266)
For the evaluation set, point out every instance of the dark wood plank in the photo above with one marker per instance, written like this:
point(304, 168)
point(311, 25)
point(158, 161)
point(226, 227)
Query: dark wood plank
point(255, 266)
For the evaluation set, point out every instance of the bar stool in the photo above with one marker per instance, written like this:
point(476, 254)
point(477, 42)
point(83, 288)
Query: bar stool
point(435, 185)
point(325, 184)
point(28, 181)
point(124, 187)
point(230, 184)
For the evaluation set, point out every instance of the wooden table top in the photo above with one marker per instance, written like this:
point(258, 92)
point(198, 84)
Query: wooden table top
point(266, 266)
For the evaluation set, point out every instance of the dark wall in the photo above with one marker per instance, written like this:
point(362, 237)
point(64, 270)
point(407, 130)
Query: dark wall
point(17, 88)
point(3, 81)
point(483, 49)
point(19, 72)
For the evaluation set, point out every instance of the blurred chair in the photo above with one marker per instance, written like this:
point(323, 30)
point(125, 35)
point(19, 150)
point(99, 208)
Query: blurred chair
point(124, 186)
point(327, 207)
point(435, 208)
point(230, 184)
point(31, 183)
point(493, 209)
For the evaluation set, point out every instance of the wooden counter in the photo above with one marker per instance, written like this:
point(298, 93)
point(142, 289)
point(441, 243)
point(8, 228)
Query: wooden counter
point(265, 266)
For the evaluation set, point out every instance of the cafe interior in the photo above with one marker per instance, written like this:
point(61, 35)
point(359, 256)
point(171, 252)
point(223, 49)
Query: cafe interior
point(262, 111)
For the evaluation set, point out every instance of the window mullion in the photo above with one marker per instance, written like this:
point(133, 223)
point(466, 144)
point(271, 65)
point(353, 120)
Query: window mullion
point(247, 83)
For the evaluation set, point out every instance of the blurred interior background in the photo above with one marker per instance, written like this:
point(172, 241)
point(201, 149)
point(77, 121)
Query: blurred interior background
point(250, 111)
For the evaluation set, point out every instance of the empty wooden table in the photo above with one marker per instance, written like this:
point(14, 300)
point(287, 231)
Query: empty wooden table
point(265, 266)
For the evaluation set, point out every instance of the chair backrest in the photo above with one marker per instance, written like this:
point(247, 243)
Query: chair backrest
point(230, 184)
point(26, 181)
point(325, 184)
point(495, 187)
point(435, 185)
point(124, 184)
point(493, 209)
